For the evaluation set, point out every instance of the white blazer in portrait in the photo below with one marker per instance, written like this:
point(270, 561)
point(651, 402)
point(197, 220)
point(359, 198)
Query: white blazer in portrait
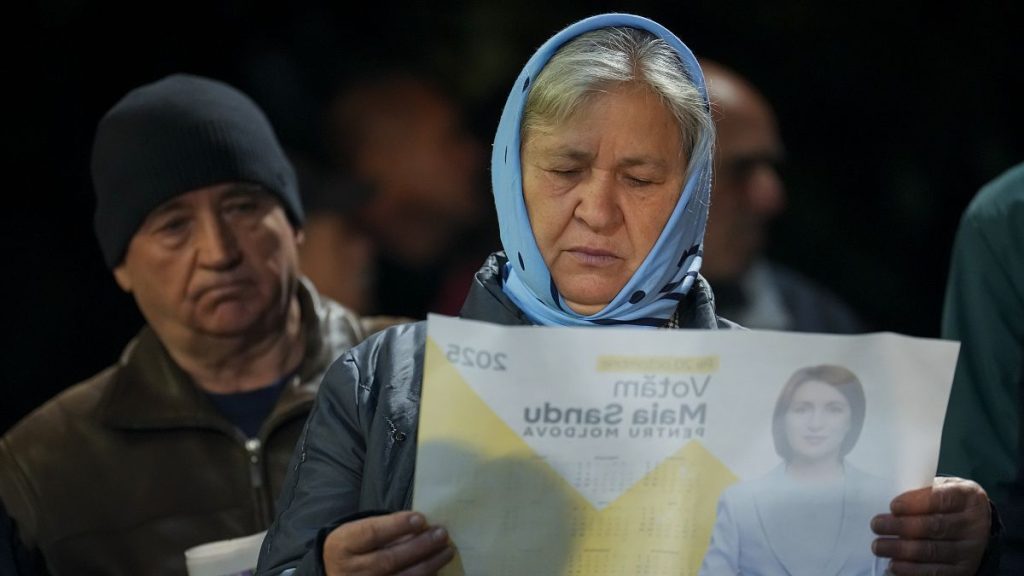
point(746, 538)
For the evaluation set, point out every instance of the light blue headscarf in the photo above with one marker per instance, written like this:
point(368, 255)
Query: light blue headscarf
point(665, 276)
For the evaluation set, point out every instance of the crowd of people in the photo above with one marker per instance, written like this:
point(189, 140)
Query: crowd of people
point(282, 291)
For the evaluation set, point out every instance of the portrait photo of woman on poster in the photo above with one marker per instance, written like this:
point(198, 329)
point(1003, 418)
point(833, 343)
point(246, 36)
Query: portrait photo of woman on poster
point(811, 513)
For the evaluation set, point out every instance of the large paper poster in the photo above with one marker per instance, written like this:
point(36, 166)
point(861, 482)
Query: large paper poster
point(597, 451)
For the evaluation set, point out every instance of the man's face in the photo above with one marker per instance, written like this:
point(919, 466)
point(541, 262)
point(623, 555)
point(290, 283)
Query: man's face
point(748, 192)
point(219, 261)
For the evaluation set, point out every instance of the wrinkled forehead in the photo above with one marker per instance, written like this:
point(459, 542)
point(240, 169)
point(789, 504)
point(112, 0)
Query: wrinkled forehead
point(633, 125)
point(217, 194)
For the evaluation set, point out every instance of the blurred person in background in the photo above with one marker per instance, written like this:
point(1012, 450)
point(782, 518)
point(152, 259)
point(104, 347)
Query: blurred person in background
point(401, 135)
point(748, 194)
point(983, 436)
point(336, 254)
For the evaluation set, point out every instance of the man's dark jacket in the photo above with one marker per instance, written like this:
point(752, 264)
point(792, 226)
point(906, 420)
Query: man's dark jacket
point(120, 474)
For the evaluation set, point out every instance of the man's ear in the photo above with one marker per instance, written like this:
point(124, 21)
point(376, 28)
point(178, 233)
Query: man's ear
point(300, 237)
point(123, 278)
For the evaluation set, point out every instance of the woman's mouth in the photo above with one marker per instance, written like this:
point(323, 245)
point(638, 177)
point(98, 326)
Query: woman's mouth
point(593, 256)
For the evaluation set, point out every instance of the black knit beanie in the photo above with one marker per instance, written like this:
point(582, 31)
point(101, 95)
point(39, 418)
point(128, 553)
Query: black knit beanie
point(173, 136)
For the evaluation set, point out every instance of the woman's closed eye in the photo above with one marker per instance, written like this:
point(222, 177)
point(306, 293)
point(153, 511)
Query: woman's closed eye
point(638, 181)
point(571, 172)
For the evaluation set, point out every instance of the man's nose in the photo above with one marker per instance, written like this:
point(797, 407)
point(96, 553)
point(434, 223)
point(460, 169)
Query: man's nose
point(216, 244)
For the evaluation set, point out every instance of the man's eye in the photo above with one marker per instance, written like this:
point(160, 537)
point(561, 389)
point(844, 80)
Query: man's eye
point(242, 207)
point(634, 181)
point(173, 225)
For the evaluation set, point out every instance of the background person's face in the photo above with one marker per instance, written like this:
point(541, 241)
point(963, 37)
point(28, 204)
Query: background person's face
point(599, 189)
point(817, 422)
point(218, 261)
point(338, 258)
point(424, 168)
point(748, 192)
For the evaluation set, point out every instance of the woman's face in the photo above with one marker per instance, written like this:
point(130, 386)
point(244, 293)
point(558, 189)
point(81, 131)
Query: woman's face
point(599, 189)
point(817, 422)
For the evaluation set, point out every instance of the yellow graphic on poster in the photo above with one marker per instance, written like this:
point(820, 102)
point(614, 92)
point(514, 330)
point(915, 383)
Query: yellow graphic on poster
point(573, 452)
point(659, 526)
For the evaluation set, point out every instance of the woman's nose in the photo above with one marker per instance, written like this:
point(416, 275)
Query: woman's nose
point(816, 420)
point(597, 206)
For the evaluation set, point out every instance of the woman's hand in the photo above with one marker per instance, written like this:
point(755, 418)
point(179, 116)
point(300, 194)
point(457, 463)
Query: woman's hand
point(399, 543)
point(939, 530)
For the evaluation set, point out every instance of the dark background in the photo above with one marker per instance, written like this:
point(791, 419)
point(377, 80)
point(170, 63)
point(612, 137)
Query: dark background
point(893, 115)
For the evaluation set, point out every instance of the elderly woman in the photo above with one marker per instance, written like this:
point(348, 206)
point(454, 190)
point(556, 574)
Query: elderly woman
point(601, 171)
point(810, 515)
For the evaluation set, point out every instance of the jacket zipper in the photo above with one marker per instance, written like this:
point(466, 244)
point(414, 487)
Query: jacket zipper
point(254, 449)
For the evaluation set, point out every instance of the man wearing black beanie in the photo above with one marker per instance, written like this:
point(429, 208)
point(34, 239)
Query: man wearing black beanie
point(186, 439)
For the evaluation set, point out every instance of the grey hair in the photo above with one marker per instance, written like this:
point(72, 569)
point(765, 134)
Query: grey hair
point(598, 61)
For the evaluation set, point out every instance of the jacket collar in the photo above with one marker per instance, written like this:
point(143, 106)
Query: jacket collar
point(487, 301)
point(150, 391)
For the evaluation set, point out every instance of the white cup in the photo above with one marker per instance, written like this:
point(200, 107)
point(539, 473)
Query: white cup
point(235, 557)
